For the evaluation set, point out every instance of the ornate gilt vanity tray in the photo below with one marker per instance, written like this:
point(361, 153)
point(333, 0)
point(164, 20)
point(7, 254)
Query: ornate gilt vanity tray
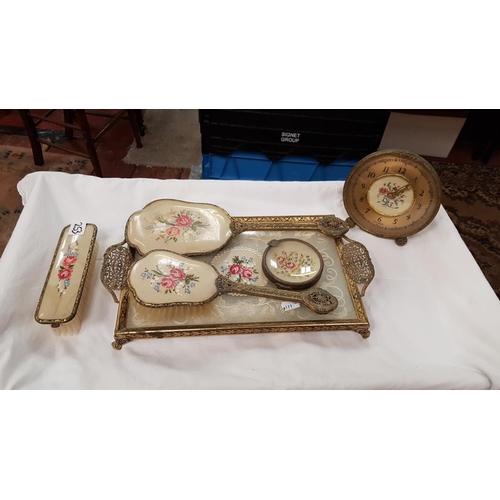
point(345, 274)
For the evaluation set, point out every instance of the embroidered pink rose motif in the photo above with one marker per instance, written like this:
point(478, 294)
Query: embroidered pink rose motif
point(69, 260)
point(291, 263)
point(168, 283)
point(240, 269)
point(173, 231)
point(392, 195)
point(65, 273)
point(177, 274)
point(66, 268)
point(170, 279)
point(170, 226)
point(235, 269)
point(184, 221)
point(247, 273)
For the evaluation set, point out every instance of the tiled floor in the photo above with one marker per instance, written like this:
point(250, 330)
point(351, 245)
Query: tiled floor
point(111, 148)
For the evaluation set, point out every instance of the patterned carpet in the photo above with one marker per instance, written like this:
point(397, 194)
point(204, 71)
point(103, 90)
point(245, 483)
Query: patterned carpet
point(17, 162)
point(471, 196)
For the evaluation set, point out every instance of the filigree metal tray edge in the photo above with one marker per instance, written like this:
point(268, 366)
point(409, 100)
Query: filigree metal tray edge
point(361, 325)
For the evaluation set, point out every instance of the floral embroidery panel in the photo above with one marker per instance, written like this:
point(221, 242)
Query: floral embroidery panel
point(171, 277)
point(66, 268)
point(390, 196)
point(240, 269)
point(292, 264)
point(177, 225)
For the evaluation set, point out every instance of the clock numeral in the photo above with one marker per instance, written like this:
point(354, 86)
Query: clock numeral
point(367, 210)
point(379, 219)
point(362, 199)
point(371, 174)
point(419, 207)
point(421, 193)
point(395, 221)
point(402, 170)
point(408, 217)
point(363, 186)
point(386, 169)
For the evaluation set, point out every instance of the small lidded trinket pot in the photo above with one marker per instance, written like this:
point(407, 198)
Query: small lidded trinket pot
point(292, 264)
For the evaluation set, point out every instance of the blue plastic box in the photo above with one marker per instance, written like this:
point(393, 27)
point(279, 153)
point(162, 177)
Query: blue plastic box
point(258, 167)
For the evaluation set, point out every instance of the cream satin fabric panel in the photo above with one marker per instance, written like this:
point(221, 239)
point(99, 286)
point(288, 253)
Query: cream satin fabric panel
point(435, 321)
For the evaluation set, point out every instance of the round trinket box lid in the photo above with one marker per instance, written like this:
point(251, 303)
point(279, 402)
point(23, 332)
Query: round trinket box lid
point(292, 264)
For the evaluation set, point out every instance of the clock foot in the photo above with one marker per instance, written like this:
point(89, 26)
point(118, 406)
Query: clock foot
point(401, 241)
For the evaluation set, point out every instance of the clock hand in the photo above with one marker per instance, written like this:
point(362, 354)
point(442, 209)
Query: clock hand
point(394, 194)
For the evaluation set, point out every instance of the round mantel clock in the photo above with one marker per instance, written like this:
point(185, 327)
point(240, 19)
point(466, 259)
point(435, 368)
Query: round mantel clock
point(392, 194)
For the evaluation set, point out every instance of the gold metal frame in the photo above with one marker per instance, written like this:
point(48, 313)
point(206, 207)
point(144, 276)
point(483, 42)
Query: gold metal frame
point(356, 266)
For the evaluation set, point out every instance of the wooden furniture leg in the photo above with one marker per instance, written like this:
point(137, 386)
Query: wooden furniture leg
point(140, 120)
point(68, 118)
point(133, 115)
point(32, 136)
point(135, 126)
point(89, 141)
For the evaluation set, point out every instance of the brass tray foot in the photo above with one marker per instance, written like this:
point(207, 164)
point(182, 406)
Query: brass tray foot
point(119, 343)
point(365, 333)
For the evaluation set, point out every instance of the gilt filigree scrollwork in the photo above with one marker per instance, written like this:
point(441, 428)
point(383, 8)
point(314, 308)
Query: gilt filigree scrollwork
point(358, 273)
point(327, 224)
point(237, 226)
point(350, 222)
point(357, 263)
point(364, 332)
point(333, 226)
point(318, 300)
point(117, 261)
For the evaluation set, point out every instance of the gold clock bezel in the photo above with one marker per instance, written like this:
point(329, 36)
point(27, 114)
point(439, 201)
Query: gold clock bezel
point(391, 162)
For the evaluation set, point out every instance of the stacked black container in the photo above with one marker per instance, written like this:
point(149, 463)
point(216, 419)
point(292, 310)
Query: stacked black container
point(326, 135)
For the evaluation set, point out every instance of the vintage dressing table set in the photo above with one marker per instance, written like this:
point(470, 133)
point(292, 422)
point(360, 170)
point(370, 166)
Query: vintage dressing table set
point(191, 269)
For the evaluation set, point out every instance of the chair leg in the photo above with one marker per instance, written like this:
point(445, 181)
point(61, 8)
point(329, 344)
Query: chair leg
point(492, 147)
point(140, 120)
point(36, 148)
point(68, 118)
point(135, 126)
point(89, 141)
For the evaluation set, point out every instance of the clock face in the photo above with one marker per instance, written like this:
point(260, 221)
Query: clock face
point(392, 194)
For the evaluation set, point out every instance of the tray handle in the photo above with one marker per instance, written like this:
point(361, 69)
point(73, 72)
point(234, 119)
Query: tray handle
point(357, 263)
point(117, 261)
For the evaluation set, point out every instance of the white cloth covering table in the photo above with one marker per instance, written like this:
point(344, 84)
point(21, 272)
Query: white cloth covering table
point(435, 321)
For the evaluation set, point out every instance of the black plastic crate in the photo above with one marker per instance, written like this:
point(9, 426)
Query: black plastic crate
point(326, 135)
